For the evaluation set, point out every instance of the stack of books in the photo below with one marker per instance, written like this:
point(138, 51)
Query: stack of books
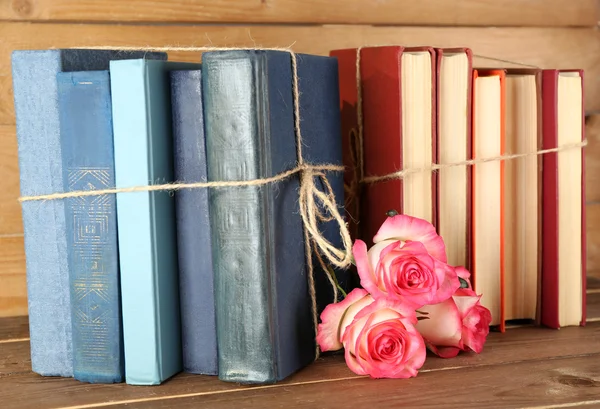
point(518, 223)
point(137, 285)
point(140, 285)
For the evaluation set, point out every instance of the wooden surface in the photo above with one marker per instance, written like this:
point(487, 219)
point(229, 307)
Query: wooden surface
point(407, 12)
point(544, 33)
point(524, 367)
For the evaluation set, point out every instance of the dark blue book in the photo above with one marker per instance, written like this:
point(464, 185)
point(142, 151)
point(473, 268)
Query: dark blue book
point(263, 308)
point(198, 327)
point(41, 172)
point(91, 222)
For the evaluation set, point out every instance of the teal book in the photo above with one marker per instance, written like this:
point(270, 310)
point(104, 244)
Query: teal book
point(142, 126)
point(91, 222)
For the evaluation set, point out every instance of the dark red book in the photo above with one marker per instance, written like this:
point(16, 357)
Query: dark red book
point(563, 212)
point(348, 97)
point(391, 140)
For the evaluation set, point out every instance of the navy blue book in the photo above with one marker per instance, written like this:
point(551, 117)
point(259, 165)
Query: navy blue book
point(38, 136)
point(263, 309)
point(91, 222)
point(198, 327)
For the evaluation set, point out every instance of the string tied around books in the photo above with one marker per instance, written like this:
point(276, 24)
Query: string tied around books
point(315, 205)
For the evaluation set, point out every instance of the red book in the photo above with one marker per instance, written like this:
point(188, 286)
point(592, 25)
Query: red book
point(563, 212)
point(396, 134)
point(348, 98)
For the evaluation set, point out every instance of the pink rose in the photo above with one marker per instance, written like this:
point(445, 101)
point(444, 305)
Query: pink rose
point(460, 323)
point(383, 342)
point(408, 228)
point(404, 271)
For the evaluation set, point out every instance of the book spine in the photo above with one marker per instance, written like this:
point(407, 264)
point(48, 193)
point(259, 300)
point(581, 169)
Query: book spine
point(136, 233)
point(550, 201)
point(88, 164)
point(40, 167)
point(233, 106)
point(199, 336)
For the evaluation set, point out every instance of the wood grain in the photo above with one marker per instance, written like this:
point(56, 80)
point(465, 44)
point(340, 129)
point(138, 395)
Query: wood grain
point(10, 210)
point(512, 385)
point(592, 160)
point(399, 12)
point(593, 238)
point(12, 328)
point(13, 289)
point(517, 345)
point(544, 47)
point(593, 307)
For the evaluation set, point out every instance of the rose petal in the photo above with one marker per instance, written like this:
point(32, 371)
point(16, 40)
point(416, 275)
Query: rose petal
point(474, 334)
point(465, 303)
point(443, 326)
point(448, 280)
point(403, 227)
point(353, 364)
point(444, 352)
point(328, 334)
point(390, 309)
point(364, 269)
point(376, 252)
point(352, 311)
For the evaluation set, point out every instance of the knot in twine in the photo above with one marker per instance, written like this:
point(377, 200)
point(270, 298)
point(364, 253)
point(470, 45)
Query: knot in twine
point(315, 205)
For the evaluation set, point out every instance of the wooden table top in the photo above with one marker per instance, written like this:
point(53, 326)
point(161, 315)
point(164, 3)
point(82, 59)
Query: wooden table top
point(525, 367)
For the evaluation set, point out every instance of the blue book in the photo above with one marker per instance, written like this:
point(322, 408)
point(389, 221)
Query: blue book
point(142, 125)
point(198, 327)
point(41, 172)
point(88, 164)
point(263, 309)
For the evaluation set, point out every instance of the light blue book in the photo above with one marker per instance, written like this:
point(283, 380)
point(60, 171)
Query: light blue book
point(142, 123)
point(88, 164)
point(41, 172)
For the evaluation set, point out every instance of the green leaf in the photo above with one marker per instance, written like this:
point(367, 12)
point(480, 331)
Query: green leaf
point(463, 283)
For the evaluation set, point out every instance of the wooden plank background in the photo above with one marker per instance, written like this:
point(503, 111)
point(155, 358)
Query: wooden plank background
point(544, 33)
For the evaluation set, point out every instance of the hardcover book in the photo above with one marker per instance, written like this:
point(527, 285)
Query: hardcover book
point(264, 322)
point(522, 196)
point(197, 300)
point(454, 145)
point(91, 225)
point(142, 123)
point(564, 252)
point(38, 135)
point(397, 135)
point(487, 266)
